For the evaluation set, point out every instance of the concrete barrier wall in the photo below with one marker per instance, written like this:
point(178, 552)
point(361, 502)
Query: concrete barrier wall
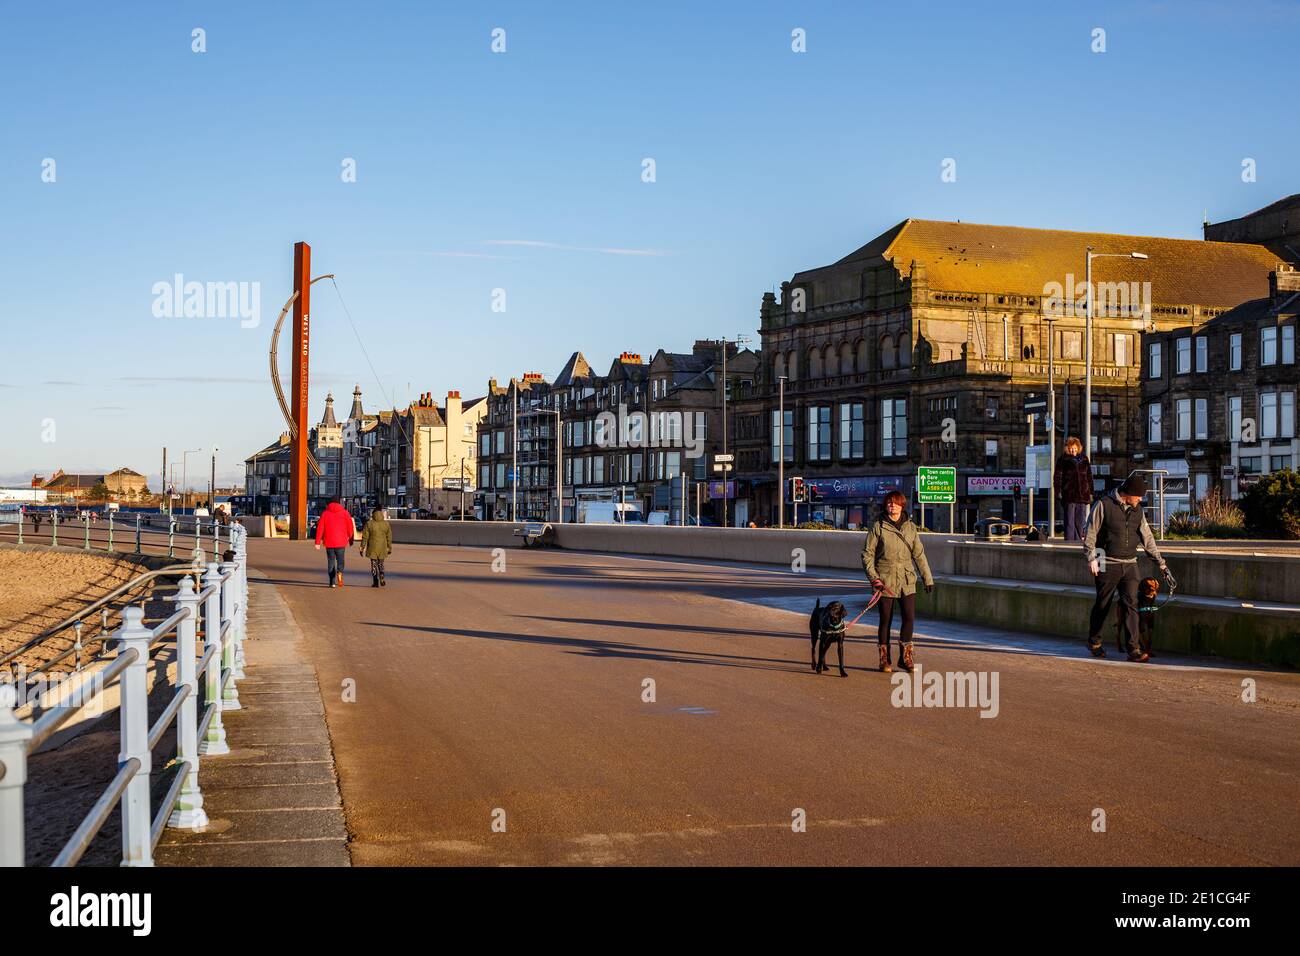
point(1267, 577)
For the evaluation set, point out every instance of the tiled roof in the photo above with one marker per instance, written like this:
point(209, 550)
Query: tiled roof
point(968, 257)
point(575, 367)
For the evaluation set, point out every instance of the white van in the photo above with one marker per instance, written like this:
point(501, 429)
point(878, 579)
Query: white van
point(608, 512)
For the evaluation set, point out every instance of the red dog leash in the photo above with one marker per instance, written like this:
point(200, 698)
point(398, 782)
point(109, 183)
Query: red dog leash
point(881, 591)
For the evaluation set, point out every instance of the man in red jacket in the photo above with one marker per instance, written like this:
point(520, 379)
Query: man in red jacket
point(335, 530)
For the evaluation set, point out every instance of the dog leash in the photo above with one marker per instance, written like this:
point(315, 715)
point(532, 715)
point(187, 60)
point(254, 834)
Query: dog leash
point(881, 591)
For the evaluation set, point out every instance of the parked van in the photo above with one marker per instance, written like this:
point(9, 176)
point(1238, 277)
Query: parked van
point(608, 512)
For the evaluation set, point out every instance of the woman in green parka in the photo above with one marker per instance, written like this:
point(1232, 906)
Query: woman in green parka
point(891, 558)
point(377, 545)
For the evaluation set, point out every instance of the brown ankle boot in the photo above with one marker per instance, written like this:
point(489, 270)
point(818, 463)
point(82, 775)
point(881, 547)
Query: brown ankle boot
point(884, 659)
point(905, 659)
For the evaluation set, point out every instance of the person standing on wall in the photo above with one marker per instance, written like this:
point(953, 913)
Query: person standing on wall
point(1116, 526)
point(335, 530)
point(891, 558)
point(1074, 484)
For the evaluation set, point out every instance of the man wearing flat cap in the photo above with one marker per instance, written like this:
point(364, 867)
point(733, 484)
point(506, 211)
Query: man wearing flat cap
point(1116, 526)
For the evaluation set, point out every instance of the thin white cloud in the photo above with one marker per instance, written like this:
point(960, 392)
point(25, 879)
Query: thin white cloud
point(603, 250)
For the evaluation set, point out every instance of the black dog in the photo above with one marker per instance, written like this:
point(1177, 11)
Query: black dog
point(1148, 588)
point(825, 626)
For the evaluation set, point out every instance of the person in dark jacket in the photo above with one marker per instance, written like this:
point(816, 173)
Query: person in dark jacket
point(335, 530)
point(891, 558)
point(1073, 480)
point(377, 545)
point(1116, 526)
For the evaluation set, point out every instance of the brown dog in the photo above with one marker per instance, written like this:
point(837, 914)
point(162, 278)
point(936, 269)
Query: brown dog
point(1148, 588)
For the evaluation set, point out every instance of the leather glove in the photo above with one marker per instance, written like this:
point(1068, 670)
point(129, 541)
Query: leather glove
point(929, 588)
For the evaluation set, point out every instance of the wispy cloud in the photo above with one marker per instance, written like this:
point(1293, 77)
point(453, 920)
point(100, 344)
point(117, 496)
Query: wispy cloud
point(603, 250)
point(196, 379)
point(439, 254)
point(74, 384)
point(109, 408)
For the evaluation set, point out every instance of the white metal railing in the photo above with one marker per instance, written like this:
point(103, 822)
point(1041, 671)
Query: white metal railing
point(221, 606)
point(116, 532)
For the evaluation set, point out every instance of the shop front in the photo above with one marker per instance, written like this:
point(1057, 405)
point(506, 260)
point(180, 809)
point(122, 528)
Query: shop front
point(993, 496)
point(850, 502)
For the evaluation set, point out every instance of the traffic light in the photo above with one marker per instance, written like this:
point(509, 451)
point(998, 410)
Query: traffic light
point(796, 490)
point(814, 496)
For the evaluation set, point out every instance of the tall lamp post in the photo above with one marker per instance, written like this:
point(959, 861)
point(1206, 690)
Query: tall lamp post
point(212, 483)
point(725, 342)
point(780, 454)
point(1087, 360)
point(185, 474)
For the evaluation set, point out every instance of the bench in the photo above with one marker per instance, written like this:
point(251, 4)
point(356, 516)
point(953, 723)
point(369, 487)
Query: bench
point(535, 533)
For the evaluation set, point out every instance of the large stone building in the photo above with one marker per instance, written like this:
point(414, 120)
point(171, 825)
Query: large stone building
point(922, 346)
point(1219, 396)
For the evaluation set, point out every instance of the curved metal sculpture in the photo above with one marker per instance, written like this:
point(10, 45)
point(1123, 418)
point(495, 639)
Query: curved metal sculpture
point(275, 375)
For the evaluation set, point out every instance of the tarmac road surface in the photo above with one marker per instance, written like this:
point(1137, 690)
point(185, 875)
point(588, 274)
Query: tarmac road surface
point(502, 717)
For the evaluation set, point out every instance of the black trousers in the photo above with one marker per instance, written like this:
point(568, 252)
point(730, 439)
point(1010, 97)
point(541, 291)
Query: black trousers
point(907, 611)
point(1119, 579)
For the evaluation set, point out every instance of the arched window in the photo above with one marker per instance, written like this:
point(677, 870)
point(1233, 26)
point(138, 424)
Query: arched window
point(864, 359)
point(831, 362)
point(814, 363)
point(792, 366)
point(846, 359)
point(888, 355)
point(778, 367)
point(904, 357)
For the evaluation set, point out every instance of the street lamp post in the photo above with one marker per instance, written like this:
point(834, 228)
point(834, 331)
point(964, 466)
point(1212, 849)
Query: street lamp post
point(780, 456)
point(1087, 348)
point(212, 483)
point(184, 472)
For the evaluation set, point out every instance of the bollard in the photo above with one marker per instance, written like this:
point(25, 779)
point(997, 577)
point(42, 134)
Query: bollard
point(171, 536)
point(137, 534)
point(15, 736)
point(214, 741)
point(230, 693)
point(188, 813)
point(137, 842)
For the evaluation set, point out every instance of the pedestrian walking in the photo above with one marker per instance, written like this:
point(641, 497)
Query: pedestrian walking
point(36, 522)
point(891, 559)
point(1116, 526)
point(335, 530)
point(1073, 481)
point(377, 545)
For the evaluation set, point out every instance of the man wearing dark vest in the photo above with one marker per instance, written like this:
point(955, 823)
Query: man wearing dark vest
point(1116, 526)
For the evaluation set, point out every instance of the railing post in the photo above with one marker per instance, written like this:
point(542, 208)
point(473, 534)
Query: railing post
point(86, 521)
point(188, 813)
point(239, 541)
point(216, 539)
point(15, 736)
point(54, 543)
point(22, 516)
point(110, 531)
point(198, 530)
point(137, 533)
point(214, 741)
point(171, 536)
point(137, 842)
point(230, 694)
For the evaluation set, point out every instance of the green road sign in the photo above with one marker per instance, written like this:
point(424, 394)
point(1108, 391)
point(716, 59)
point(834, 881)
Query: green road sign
point(936, 486)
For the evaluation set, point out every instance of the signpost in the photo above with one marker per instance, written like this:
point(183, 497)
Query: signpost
point(937, 485)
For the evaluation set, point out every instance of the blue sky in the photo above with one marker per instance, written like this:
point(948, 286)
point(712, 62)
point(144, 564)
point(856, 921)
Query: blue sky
point(522, 171)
